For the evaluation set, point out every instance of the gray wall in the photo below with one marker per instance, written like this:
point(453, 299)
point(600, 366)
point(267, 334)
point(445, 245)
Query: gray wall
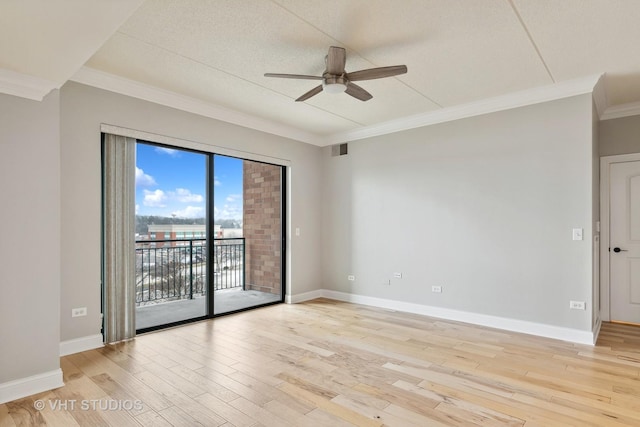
point(620, 136)
point(483, 207)
point(30, 236)
point(83, 110)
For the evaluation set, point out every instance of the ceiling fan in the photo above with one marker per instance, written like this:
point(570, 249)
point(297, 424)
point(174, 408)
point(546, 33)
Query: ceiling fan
point(336, 80)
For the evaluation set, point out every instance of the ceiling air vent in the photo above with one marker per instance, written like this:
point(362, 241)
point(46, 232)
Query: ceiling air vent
point(339, 150)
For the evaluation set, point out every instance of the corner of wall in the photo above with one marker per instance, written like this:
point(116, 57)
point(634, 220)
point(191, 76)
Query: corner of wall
point(78, 345)
point(33, 384)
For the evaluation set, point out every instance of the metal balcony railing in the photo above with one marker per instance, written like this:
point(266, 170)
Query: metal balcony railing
point(174, 269)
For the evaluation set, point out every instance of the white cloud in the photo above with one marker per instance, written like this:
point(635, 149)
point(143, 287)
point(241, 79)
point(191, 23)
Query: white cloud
point(137, 208)
point(189, 212)
point(169, 151)
point(233, 197)
point(160, 199)
point(216, 181)
point(184, 195)
point(144, 180)
point(155, 199)
point(230, 212)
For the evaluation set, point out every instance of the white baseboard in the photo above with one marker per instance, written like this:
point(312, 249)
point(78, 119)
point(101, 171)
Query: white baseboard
point(514, 325)
point(23, 387)
point(81, 344)
point(294, 299)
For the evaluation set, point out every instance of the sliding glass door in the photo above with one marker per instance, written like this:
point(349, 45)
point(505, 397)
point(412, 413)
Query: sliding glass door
point(209, 235)
point(171, 237)
point(248, 217)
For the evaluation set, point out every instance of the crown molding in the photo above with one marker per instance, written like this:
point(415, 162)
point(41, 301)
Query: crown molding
point(600, 96)
point(592, 84)
point(123, 86)
point(523, 98)
point(622, 110)
point(24, 85)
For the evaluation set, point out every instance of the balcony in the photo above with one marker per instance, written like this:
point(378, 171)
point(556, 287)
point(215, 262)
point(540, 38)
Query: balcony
point(171, 280)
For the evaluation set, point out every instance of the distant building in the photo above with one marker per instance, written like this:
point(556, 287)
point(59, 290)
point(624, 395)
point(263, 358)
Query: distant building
point(187, 232)
point(179, 232)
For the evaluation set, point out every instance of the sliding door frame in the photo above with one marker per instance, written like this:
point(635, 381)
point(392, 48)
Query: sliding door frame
point(283, 233)
point(210, 227)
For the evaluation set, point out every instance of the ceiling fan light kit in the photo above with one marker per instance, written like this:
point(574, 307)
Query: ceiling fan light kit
point(332, 84)
point(336, 80)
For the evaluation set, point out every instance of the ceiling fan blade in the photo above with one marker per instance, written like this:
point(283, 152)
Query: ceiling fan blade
point(336, 60)
point(377, 73)
point(316, 90)
point(357, 92)
point(292, 76)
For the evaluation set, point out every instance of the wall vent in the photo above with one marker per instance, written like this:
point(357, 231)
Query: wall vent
point(339, 150)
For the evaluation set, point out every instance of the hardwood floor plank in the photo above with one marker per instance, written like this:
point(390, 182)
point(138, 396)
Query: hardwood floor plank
point(321, 418)
point(502, 405)
point(152, 419)
point(414, 418)
point(177, 417)
point(256, 412)
point(5, 419)
point(369, 412)
point(57, 417)
point(329, 363)
point(98, 364)
point(322, 402)
point(195, 409)
point(179, 382)
point(226, 411)
point(295, 414)
point(460, 409)
point(116, 392)
point(405, 398)
point(580, 413)
point(23, 413)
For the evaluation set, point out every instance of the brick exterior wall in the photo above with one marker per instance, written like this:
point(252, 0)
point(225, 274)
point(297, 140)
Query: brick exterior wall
point(262, 226)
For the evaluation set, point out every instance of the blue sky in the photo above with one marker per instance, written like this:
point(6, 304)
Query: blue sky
point(173, 182)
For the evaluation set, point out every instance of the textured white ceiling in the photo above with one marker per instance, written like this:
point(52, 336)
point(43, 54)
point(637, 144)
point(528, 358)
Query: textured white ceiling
point(216, 51)
point(51, 40)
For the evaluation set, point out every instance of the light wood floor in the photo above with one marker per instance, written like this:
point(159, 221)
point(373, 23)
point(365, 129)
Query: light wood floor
point(331, 363)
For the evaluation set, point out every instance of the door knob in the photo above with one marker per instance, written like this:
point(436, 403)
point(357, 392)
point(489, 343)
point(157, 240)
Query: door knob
point(616, 250)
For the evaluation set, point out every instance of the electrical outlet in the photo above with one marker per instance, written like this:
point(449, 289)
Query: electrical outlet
point(397, 275)
point(78, 312)
point(577, 305)
point(351, 277)
point(387, 282)
point(436, 289)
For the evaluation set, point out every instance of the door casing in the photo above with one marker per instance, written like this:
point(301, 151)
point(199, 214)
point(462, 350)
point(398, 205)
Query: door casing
point(605, 285)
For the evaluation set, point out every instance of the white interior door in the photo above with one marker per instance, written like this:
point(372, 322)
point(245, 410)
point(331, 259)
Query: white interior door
point(624, 251)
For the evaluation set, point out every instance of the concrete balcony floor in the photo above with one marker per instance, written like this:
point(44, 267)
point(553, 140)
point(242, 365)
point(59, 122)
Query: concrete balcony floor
point(225, 301)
